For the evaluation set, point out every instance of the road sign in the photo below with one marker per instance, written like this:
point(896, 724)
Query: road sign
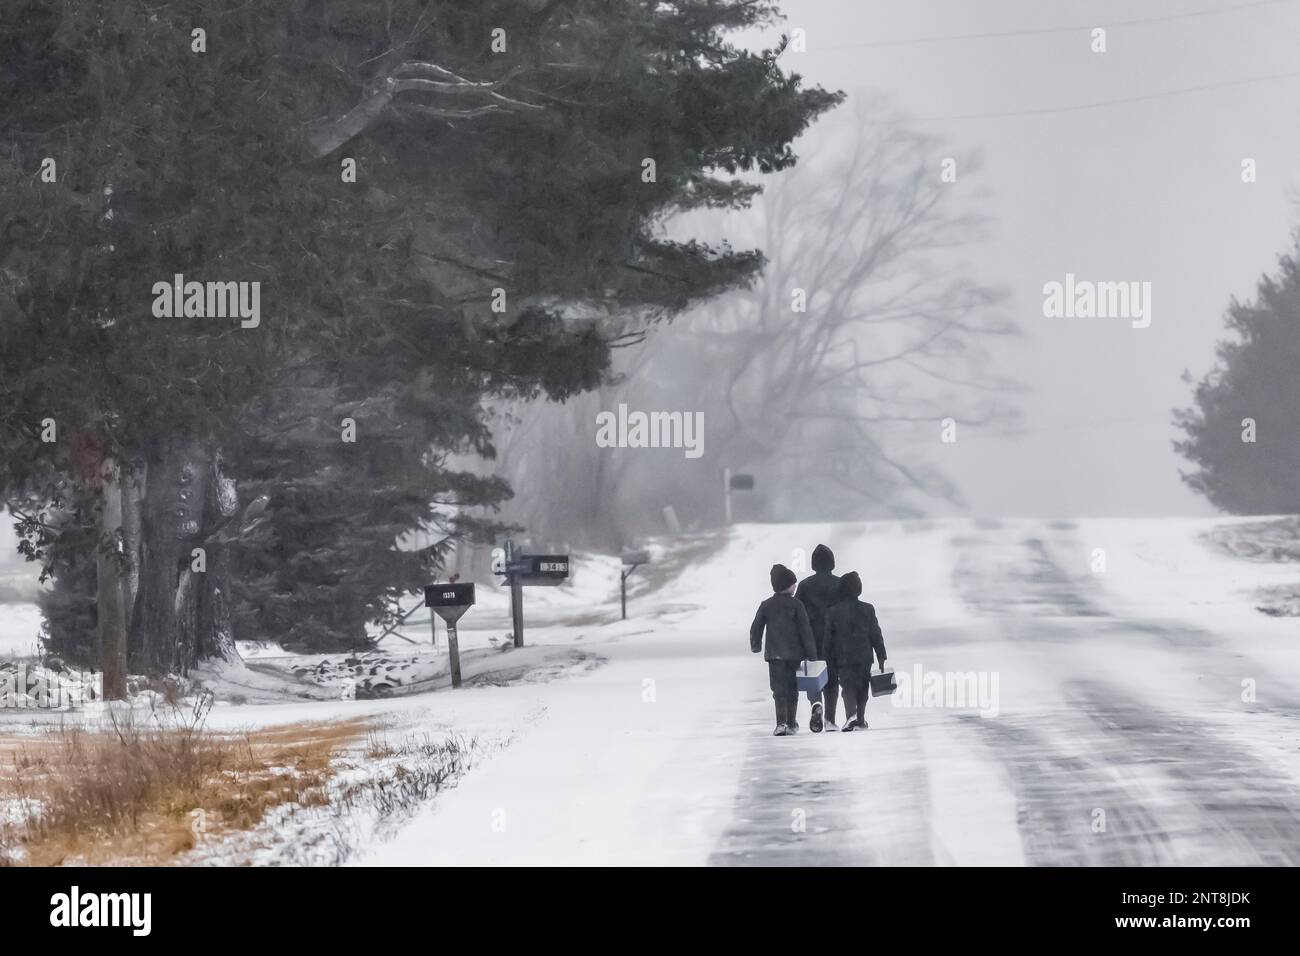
point(742, 482)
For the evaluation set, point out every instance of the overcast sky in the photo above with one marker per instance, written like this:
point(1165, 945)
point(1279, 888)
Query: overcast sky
point(1148, 190)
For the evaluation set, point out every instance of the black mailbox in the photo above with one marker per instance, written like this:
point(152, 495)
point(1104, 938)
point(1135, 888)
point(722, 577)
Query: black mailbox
point(449, 599)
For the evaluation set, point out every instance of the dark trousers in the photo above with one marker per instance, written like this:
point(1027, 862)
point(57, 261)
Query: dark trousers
point(857, 687)
point(782, 677)
point(831, 692)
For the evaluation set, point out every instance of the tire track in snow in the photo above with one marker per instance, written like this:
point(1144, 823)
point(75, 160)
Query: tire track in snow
point(1229, 806)
point(1174, 790)
point(1057, 792)
point(853, 812)
point(830, 779)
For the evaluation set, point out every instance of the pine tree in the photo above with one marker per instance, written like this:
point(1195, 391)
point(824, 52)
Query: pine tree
point(1244, 431)
point(451, 202)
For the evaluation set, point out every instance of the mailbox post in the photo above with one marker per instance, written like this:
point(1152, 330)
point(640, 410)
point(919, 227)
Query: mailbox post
point(449, 602)
point(631, 561)
point(726, 496)
point(516, 596)
point(730, 483)
point(530, 569)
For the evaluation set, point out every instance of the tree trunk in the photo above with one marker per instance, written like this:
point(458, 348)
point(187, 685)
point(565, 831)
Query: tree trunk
point(111, 590)
point(132, 495)
point(182, 611)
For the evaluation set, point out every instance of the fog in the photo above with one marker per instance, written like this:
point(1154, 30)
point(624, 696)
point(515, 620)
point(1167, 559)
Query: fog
point(1145, 189)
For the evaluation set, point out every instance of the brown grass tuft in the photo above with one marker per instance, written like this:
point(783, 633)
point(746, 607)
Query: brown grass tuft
point(144, 794)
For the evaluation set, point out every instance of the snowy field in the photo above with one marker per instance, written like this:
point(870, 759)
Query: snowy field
point(1058, 705)
point(20, 628)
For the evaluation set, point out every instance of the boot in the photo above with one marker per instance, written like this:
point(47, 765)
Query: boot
point(828, 711)
point(781, 729)
point(792, 708)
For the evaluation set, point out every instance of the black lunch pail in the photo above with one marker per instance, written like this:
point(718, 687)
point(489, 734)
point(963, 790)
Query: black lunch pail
point(883, 684)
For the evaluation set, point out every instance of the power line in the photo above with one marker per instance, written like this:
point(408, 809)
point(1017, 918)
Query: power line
point(1021, 432)
point(837, 120)
point(1116, 102)
point(1041, 31)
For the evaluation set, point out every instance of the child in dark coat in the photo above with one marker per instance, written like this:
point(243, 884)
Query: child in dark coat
point(819, 592)
point(852, 634)
point(789, 642)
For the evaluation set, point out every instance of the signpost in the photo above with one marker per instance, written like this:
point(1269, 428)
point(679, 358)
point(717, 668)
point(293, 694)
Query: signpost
point(631, 561)
point(530, 569)
point(730, 483)
point(449, 602)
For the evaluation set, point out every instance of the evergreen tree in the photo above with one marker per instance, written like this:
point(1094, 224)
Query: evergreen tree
point(449, 202)
point(1244, 431)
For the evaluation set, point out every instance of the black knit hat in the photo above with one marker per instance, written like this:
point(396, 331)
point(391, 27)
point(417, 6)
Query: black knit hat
point(850, 585)
point(823, 558)
point(782, 577)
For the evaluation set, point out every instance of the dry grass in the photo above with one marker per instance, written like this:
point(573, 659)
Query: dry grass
point(421, 767)
point(139, 793)
point(378, 788)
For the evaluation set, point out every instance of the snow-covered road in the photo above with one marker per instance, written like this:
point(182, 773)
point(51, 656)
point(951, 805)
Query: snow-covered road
point(1058, 711)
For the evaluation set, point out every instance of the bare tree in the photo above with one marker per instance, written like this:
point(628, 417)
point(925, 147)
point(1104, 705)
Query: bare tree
point(863, 326)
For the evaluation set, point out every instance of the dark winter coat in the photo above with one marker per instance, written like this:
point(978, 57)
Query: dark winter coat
point(789, 636)
point(852, 631)
point(819, 592)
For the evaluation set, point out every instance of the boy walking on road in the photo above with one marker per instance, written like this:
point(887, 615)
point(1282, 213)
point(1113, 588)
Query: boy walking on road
point(852, 635)
point(819, 592)
point(789, 642)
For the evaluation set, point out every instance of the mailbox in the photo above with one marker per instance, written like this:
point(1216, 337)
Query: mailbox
point(552, 569)
point(631, 561)
point(449, 601)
